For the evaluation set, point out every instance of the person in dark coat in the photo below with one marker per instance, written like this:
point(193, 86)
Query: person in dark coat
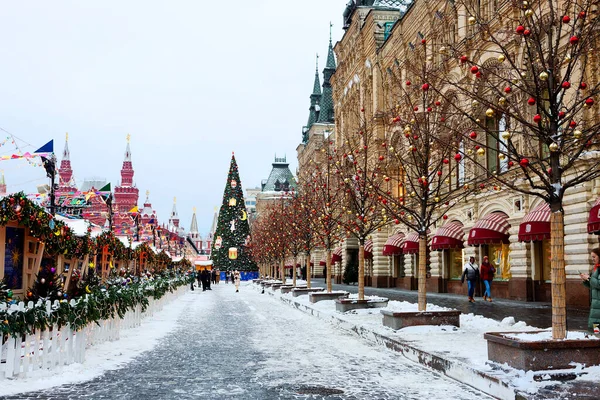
point(487, 272)
point(192, 278)
point(214, 276)
point(205, 279)
point(592, 281)
point(325, 274)
point(199, 278)
point(471, 272)
point(208, 278)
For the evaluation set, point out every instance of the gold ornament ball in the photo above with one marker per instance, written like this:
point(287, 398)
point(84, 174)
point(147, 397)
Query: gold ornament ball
point(472, 20)
point(501, 58)
point(528, 13)
point(469, 152)
point(447, 181)
point(391, 148)
point(501, 156)
point(553, 147)
point(412, 121)
point(502, 101)
point(443, 50)
point(505, 135)
point(543, 75)
point(474, 103)
point(477, 120)
point(577, 134)
point(489, 112)
point(437, 199)
point(480, 152)
point(523, 74)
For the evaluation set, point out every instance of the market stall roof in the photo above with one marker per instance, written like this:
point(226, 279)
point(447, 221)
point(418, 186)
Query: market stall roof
point(410, 244)
point(80, 226)
point(393, 245)
point(536, 224)
point(594, 218)
point(449, 236)
point(493, 228)
point(369, 249)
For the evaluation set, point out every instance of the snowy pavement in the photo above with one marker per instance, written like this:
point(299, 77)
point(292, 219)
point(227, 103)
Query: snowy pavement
point(226, 345)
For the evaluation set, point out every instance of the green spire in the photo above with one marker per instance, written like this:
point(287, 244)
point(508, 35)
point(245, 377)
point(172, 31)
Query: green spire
point(315, 99)
point(326, 113)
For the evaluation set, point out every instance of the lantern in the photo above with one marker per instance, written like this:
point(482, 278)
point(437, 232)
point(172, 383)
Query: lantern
point(233, 253)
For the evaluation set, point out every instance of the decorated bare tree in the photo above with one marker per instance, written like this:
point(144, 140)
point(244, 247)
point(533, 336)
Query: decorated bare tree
point(425, 176)
point(527, 77)
point(319, 184)
point(357, 164)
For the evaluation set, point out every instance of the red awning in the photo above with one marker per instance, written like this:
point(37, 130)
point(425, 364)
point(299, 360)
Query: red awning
point(536, 224)
point(594, 219)
point(449, 236)
point(337, 255)
point(392, 246)
point(410, 244)
point(369, 249)
point(492, 228)
point(323, 262)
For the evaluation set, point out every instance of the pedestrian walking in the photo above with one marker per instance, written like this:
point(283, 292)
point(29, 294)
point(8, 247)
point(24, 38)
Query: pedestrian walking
point(325, 274)
point(592, 281)
point(487, 272)
point(208, 279)
point(205, 279)
point(214, 277)
point(232, 276)
point(198, 278)
point(237, 280)
point(471, 272)
point(218, 276)
point(192, 278)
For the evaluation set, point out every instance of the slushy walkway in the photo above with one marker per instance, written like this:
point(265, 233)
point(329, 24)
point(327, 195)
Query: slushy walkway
point(229, 345)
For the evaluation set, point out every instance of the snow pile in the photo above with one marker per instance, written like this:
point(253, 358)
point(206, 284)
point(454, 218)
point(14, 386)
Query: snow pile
point(547, 335)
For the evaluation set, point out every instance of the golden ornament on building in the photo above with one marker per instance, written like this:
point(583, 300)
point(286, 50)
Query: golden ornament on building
point(502, 101)
point(577, 134)
point(472, 20)
point(544, 74)
point(505, 135)
point(436, 199)
point(480, 151)
point(474, 103)
point(501, 156)
point(501, 58)
point(553, 147)
point(528, 13)
point(469, 152)
point(489, 112)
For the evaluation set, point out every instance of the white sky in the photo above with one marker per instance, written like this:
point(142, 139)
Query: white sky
point(191, 81)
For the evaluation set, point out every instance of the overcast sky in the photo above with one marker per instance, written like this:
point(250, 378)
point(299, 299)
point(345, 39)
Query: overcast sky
point(190, 80)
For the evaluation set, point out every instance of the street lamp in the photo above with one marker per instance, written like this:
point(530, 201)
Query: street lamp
point(50, 167)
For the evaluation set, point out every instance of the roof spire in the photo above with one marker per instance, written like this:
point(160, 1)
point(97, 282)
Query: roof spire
point(127, 149)
point(326, 113)
point(66, 153)
point(315, 99)
point(194, 227)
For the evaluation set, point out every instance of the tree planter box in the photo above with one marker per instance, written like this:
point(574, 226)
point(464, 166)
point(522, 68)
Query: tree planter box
point(343, 305)
point(320, 296)
point(399, 320)
point(541, 354)
point(288, 289)
point(257, 281)
point(276, 286)
point(269, 284)
point(299, 292)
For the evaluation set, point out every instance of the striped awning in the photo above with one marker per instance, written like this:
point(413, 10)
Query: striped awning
point(393, 245)
point(323, 261)
point(536, 224)
point(449, 236)
point(493, 228)
point(410, 244)
point(594, 219)
point(369, 249)
point(337, 255)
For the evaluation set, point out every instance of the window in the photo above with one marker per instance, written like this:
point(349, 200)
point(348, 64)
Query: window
point(455, 262)
point(13, 257)
point(458, 174)
point(387, 29)
point(491, 128)
point(498, 254)
point(543, 260)
point(398, 261)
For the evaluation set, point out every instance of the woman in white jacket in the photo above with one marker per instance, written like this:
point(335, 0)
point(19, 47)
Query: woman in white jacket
point(236, 278)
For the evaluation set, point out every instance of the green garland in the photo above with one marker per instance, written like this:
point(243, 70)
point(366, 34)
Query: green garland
point(114, 299)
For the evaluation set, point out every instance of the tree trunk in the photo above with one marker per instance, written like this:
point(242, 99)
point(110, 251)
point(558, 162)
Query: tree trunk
point(282, 266)
point(328, 274)
point(294, 272)
point(422, 274)
point(557, 275)
point(308, 270)
point(361, 270)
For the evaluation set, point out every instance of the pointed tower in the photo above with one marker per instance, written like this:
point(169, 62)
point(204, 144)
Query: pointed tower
point(126, 195)
point(326, 112)
point(2, 185)
point(194, 235)
point(174, 219)
point(315, 99)
point(65, 172)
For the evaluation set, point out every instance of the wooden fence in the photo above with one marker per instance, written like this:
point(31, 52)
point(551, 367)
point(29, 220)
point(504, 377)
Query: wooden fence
point(52, 348)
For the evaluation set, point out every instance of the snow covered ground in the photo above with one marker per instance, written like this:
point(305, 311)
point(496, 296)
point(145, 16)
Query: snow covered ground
point(465, 344)
point(220, 344)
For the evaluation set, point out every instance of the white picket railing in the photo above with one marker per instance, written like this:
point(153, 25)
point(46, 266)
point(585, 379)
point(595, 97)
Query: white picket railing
point(56, 347)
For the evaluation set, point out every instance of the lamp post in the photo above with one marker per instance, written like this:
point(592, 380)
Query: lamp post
point(50, 167)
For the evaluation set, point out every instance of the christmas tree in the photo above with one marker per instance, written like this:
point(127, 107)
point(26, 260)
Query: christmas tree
point(47, 285)
point(230, 249)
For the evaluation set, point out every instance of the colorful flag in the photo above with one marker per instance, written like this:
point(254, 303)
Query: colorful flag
point(47, 148)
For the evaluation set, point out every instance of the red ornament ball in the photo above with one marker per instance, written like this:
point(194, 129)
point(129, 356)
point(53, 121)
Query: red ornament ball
point(473, 135)
point(439, 173)
point(407, 83)
point(524, 163)
point(520, 29)
point(589, 101)
point(416, 108)
point(582, 14)
point(474, 69)
point(565, 85)
point(583, 86)
point(510, 164)
point(429, 109)
point(574, 40)
point(445, 216)
point(425, 87)
point(478, 74)
point(561, 114)
point(531, 101)
point(446, 161)
point(438, 103)
point(572, 124)
point(507, 89)
point(457, 157)
point(463, 59)
point(423, 41)
point(566, 19)
point(537, 118)
point(527, 32)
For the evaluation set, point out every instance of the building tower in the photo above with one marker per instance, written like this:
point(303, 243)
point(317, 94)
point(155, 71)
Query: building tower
point(326, 103)
point(315, 99)
point(126, 195)
point(65, 173)
point(194, 235)
point(174, 218)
